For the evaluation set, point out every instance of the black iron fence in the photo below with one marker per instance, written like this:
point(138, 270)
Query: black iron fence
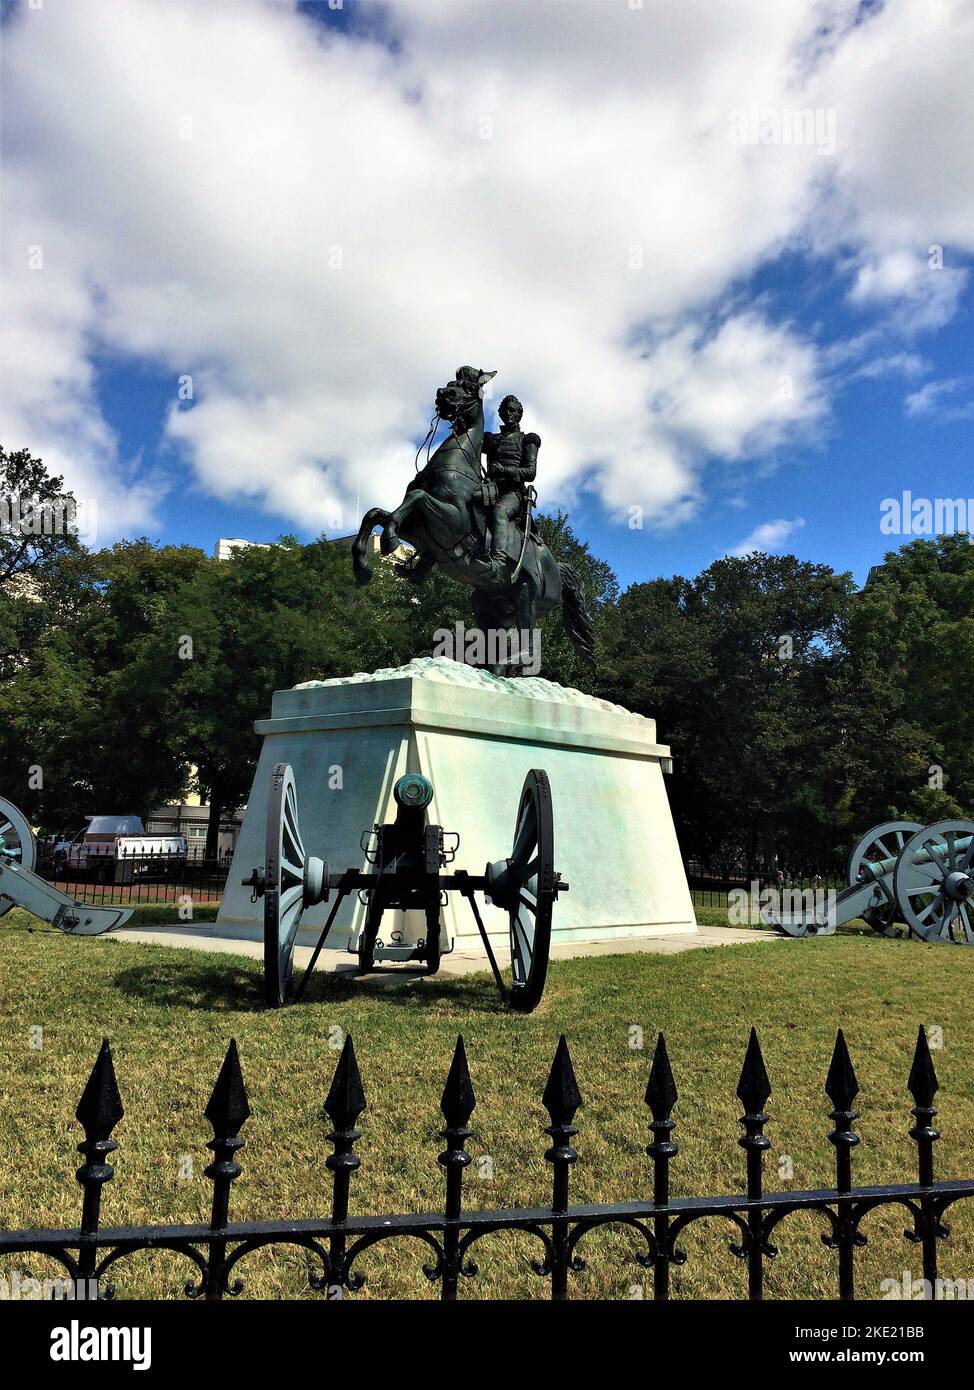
point(163, 877)
point(716, 888)
point(216, 1250)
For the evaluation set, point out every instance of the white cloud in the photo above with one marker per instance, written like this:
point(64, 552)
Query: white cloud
point(902, 198)
point(547, 190)
point(922, 295)
point(771, 535)
point(938, 399)
point(905, 364)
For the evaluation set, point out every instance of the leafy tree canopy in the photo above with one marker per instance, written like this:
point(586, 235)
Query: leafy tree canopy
point(800, 712)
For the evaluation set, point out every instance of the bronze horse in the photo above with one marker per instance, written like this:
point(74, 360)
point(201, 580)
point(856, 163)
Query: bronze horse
point(444, 518)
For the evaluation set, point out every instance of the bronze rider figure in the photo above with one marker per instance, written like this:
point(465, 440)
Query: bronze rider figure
point(512, 464)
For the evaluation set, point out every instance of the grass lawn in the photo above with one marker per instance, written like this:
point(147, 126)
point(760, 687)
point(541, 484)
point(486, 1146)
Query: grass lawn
point(170, 1014)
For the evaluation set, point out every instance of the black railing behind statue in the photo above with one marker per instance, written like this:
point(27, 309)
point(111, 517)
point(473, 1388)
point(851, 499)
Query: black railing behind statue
point(217, 1249)
point(167, 876)
point(721, 887)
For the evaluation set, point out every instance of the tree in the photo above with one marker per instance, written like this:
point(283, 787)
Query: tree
point(912, 630)
point(85, 729)
point(800, 712)
point(734, 666)
point(238, 630)
point(37, 517)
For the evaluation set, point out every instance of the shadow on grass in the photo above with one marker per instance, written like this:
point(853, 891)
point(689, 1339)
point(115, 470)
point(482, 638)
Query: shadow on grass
point(230, 986)
point(213, 985)
point(464, 994)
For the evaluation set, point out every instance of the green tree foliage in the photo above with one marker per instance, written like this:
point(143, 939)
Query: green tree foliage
point(83, 729)
point(560, 661)
point(800, 712)
point(911, 634)
point(734, 666)
point(262, 621)
point(37, 515)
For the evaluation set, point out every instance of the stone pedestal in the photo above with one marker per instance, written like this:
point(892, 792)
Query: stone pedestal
point(474, 736)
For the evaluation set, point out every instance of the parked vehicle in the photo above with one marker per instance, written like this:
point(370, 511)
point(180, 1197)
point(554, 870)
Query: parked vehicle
point(116, 849)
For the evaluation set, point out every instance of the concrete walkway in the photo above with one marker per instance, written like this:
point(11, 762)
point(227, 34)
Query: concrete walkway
point(458, 962)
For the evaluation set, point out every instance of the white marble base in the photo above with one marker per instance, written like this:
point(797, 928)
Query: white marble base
point(474, 736)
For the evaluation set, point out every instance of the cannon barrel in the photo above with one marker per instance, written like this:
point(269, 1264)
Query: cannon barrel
point(882, 867)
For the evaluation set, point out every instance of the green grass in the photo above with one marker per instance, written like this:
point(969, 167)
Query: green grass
point(170, 1013)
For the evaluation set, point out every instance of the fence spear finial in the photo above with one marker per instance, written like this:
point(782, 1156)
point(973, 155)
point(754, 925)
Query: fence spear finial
point(561, 1096)
point(227, 1110)
point(228, 1107)
point(457, 1105)
point(100, 1107)
point(923, 1086)
point(661, 1096)
point(661, 1093)
point(561, 1099)
point(99, 1111)
point(458, 1100)
point(842, 1087)
point(346, 1097)
point(753, 1088)
point(841, 1084)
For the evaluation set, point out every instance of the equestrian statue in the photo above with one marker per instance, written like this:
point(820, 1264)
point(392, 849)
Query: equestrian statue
point(475, 521)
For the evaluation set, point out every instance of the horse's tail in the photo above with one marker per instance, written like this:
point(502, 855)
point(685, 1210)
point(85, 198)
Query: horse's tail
point(577, 618)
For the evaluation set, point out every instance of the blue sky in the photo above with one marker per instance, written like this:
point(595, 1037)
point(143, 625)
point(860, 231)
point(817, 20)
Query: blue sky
point(870, 449)
point(317, 215)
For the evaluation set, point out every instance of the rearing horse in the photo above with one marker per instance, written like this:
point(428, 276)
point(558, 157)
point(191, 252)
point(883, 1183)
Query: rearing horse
point(443, 517)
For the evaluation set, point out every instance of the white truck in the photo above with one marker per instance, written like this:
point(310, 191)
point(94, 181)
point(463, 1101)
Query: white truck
point(116, 849)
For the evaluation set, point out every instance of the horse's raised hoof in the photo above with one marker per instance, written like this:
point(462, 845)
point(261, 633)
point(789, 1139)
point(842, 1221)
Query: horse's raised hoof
point(389, 540)
point(363, 573)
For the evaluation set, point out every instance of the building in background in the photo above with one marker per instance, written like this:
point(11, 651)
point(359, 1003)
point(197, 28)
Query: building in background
point(191, 818)
point(373, 546)
point(225, 547)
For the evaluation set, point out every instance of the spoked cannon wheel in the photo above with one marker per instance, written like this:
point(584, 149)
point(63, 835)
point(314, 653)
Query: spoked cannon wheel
point(285, 885)
point(882, 843)
point(934, 882)
point(16, 842)
point(525, 886)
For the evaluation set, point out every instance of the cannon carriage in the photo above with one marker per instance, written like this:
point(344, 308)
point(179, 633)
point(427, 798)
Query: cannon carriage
point(406, 871)
point(407, 859)
point(903, 879)
point(899, 873)
point(21, 887)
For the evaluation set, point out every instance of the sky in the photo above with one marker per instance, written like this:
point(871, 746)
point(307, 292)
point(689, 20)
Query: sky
point(721, 251)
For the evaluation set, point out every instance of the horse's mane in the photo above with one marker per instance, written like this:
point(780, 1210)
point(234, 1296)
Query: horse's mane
point(458, 452)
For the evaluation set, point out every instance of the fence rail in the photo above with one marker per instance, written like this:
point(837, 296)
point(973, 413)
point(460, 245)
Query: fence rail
point(334, 1245)
point(162, 877)
point(711, 890)
point(167, 876)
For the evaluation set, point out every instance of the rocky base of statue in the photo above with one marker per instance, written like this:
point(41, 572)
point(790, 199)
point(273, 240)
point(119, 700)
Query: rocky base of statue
point(475, 736)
